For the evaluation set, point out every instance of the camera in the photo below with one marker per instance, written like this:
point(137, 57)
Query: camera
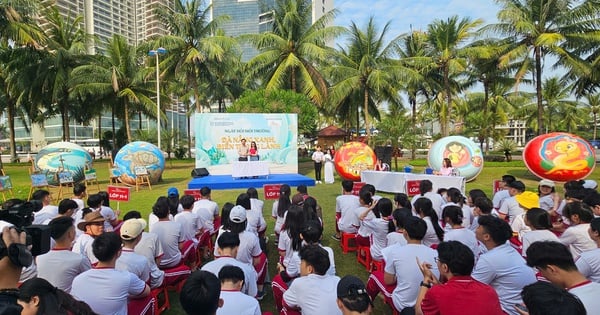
point(20, 214)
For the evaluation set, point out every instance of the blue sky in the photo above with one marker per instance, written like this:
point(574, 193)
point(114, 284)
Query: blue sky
point(402, 14)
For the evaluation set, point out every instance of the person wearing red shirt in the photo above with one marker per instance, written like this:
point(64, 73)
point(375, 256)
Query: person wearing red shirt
point(456, 292)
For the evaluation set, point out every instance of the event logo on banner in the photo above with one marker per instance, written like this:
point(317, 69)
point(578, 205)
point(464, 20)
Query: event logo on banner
point(218, 138)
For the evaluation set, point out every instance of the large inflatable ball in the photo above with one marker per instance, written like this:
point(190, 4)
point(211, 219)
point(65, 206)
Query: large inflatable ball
point(352, 158)
point(136, 155)
point(466, 155)
point(559, 157)
point(61, 157)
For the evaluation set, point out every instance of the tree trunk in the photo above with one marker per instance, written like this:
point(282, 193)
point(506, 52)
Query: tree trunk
point(11, 131)
point(114, 133)
point(413, 104)
point(538, 89)
point(595, 125)
point(126, 120)
point(486, 98)
point(448, 101)
point(294, 79)
point(189, 138)
point(366, 110)
point(65, 122)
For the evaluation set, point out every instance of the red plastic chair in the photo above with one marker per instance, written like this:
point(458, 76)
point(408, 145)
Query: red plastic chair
point(348, 243)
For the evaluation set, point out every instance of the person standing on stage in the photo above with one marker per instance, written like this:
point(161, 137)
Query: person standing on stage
point(318, 158)
point(253, 151)
point(243, 151)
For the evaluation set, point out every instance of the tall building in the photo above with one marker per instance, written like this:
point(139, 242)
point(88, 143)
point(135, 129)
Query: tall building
point(254, 17)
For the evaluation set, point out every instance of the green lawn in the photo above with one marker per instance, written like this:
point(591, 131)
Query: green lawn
point(177, 174)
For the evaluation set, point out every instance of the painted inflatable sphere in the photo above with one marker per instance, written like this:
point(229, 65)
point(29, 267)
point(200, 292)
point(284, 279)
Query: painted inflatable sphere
point(352, 158)
point(466, 155)
point(559, 157)
point(139, 154)
point(63, 156)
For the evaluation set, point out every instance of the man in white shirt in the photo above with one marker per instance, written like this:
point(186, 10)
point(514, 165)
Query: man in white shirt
point(589, 261)
point(501, 266)
point(207, 209)
point(131, 235)
point(314, 292)
point(93, 226)
point(149, 246)
point(318, 157)
point(201, 291)
point(228, 244)
point(555, 263)
point(47, 211)
point(399, 282)
point(169, 234)
point(502, 194)
point(437, 202)
point(344, 204)
point(191, 228)
point(79, 192)
point(105, 289)
point(234, 301)
point(60, 265)
point(95, 203)
point(510, 206)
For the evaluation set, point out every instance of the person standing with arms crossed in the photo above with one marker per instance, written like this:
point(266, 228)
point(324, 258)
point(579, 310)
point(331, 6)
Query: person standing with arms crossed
point(318, 158)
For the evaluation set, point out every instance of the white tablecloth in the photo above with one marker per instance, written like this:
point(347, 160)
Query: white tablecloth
point(395, 182)
point(249, 169)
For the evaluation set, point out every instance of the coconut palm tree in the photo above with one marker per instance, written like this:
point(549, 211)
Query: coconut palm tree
point(118, 78)
point(368, 72)
point(17, 22)
point(545, 27)
point(289, 54)
point(592, 103)
point(447, 39)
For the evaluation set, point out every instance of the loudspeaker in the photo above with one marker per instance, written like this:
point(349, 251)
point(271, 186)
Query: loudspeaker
point(199, 172)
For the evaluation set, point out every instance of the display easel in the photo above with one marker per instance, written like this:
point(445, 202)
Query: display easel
point(141, 177)
point(38, 181)
point(113, 177)
point(5, 185)
point(65, 180)
point(91, 178)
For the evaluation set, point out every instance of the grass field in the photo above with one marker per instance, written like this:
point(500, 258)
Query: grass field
point(177, 174)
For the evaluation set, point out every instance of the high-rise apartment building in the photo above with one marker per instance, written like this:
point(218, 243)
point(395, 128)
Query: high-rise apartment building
point(255, 16)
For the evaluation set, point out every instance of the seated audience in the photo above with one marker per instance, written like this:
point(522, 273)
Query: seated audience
point(589, 262)
point(93, 226)
point(200, 294)
point(234, 301)
point(538, 221)
point(38, 296)
point(543, 298)
point(576, 236)
point(352, 297)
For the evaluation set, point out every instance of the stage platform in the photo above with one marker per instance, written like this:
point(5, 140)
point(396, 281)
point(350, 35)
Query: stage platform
point(220, 182)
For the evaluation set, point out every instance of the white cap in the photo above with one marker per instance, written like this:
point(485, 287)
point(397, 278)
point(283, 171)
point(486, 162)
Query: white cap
point(132, 228)
point(237, 214)
point(590, 184)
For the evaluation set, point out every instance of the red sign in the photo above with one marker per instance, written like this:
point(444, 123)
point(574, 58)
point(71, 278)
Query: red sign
point(193, 192)
point(272, 191)
point(356, 188)
point(118, 193)
point(412, 187)
point(496, 185)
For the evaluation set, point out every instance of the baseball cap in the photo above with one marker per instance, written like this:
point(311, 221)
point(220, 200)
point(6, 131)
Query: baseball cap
point(546, 182)
point(528, 200)
point(590, 184)
point(237, 214)
point(172, 192)
point(517, 185)
point(350, 286)
point(132, 228)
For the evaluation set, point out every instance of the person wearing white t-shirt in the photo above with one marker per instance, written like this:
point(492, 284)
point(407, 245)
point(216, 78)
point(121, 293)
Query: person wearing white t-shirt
point(234, 301)
point(399, 281)
point(437, 201)
point(576, 236)
point(435, 233)
point(555, 263)
point(255, 220)
point(318, 157)
point(538, 221)
point(79, 192)
point(455, 197)
point(48, 211)
point(510, 206)
point(501, 266)
point(314, 292)
point(93, 226)
point(191, 224)
point(502, 194)
point(256, 207)
point(344, 204)
point(453, 217)
point(589, 261)
point(227, 247)
point(60, 265)
point(169, 234)
point(105, 289)
point(201, 291)
point(95, 202)
point(131, 235)
point(280, 208)
point(379, 226)
point(207, 209)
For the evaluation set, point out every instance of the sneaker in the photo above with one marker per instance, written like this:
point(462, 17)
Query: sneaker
point(335, 237)
point(260, 295)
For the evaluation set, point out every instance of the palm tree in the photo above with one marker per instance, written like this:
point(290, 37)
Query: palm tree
point(446, 39)
point(592, 103)
point(367, 72)
point(193, 47)
point(66, 50)
point(118, 78)
point(558, 105)
point(545, 27)
point(17, 22)
point(288, 54)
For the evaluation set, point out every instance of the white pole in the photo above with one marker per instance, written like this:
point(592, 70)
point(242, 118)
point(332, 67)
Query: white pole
point(158, 99)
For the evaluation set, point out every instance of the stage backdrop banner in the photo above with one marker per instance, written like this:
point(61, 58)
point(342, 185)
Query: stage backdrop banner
point(218, 137)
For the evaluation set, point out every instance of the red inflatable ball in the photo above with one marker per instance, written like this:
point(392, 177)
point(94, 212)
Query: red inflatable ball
point(559, 157)
point(352, 158)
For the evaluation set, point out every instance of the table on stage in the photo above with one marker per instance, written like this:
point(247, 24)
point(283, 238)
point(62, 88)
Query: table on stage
point(249, 169)
point(395, 182)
